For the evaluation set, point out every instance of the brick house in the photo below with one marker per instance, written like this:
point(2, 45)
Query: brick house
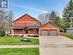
point(29, 25)
point(26, 25)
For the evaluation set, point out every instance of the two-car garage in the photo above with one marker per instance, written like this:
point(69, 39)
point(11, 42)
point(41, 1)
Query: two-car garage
point(49, 30)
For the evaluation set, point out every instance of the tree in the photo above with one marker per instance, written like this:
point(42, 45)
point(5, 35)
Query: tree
point(68, 14)
point(2, 13)
point(53, 15)
point(11, 16)
point(44, 18)
point(54, 18)
point(6, 20)
point(57, 21)
point(68, 11)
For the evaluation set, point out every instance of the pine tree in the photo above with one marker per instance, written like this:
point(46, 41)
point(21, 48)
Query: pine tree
point(68, 14)
point(53, 15)
point(54, 18)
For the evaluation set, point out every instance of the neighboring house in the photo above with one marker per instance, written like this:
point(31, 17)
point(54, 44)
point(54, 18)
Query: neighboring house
point(29, 25)
point(70, 30)
point(26, 25)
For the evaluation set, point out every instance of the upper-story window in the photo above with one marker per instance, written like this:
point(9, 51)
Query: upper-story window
point(34, 24)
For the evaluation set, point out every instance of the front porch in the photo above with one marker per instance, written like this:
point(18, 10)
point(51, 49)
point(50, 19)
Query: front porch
point(25, 31)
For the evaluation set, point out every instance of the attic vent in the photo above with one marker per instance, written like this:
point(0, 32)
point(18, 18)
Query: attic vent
point(26, 15)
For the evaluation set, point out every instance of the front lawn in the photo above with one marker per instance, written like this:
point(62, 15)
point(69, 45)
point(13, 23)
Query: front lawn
point(19, 51)
point(17, 41)
point(67, 35)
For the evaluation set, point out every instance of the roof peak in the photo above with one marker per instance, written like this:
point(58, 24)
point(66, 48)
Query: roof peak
point(26, 15)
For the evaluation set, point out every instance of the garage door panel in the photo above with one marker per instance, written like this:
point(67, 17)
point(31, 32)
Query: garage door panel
point(49, 33)
point(44, 33)
point(53, 33)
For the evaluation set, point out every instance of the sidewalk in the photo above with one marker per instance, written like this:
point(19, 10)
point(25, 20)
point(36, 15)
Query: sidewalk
point(19, 46)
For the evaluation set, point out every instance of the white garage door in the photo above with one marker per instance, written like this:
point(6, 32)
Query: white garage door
point(53, 33)
point(44, 33)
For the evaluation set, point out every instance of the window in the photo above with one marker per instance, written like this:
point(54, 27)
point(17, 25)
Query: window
point(33, 24)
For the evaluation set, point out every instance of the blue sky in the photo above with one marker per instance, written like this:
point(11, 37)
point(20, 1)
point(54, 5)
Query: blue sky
point(36, 7)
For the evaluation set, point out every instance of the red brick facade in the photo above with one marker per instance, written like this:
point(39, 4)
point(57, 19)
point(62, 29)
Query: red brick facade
point(30, 31)
point(26, 25)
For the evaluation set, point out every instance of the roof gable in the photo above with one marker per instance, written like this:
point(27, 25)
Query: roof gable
point(26, 20)
point(26, 17)
point(49, 26)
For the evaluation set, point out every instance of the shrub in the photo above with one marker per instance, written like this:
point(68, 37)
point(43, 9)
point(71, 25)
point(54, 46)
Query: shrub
point(2, 32)
point(67, 35)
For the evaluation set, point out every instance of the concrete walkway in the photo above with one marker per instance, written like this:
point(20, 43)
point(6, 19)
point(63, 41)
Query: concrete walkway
point(55, 45)
point(19, 46)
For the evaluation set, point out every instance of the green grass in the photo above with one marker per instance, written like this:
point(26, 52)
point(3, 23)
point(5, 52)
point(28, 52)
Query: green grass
point(19, 51)
point(17, 41)
point(67, 35)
